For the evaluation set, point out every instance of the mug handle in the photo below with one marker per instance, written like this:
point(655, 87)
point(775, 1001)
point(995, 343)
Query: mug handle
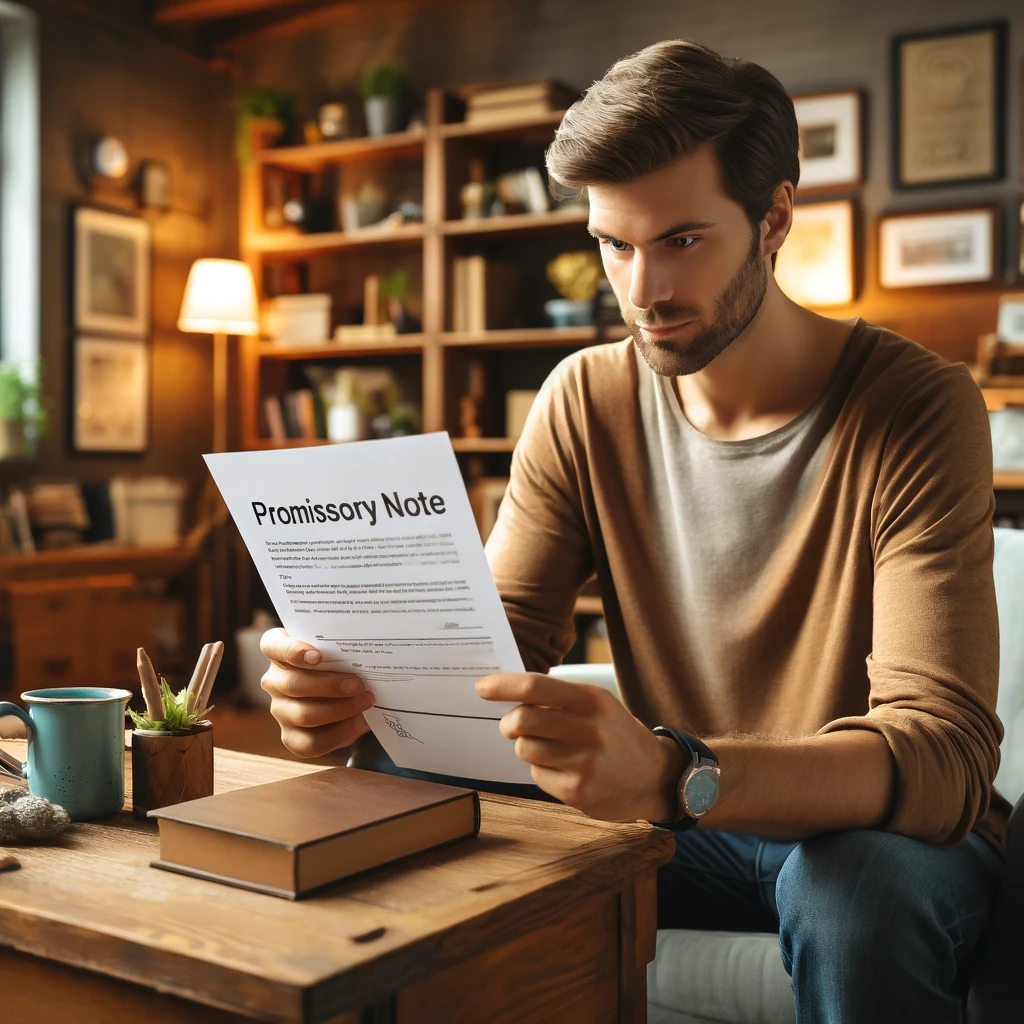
point(11, 765)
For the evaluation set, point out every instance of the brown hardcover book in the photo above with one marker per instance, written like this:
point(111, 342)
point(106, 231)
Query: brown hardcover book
point(288, 838)
point(491, 292)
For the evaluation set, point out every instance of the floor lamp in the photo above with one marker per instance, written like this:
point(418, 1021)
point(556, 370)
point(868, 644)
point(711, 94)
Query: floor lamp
point(220, 299)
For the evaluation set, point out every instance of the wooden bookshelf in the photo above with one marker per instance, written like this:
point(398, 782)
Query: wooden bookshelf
point(281, 243)
point(516, 224)
point(483, 445)
point(434, 354)
point(401, 344)
point(1008, 480)
point(324, 154)
point(531, 337)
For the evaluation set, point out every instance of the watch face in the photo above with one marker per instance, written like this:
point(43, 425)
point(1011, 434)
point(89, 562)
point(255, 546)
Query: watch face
point(701, 791)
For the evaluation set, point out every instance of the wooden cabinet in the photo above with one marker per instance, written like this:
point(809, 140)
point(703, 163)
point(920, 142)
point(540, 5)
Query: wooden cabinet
point(77, 632)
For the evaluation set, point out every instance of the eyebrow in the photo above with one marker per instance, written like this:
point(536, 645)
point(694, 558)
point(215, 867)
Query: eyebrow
point(677, 229)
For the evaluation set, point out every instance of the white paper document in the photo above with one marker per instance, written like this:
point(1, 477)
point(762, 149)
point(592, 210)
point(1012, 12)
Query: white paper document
point(370, 552)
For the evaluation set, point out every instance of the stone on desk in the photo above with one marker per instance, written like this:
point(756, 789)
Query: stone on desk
point(8, 862)
point(24, 817)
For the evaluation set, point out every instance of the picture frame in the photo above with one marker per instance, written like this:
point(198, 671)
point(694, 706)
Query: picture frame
point(831, 134)
point(485, 496)
point(1010, 319)
point(112, 273)
point(111, 395)
point(815, 266)
point(949, 106)
point(934, 248)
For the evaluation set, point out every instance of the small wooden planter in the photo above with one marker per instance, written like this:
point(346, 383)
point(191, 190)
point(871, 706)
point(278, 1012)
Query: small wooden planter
point(170, 768)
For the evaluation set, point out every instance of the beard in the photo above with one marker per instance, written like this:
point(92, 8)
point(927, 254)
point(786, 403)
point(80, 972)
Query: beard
point(732, 311)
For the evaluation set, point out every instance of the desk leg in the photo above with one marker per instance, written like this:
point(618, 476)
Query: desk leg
point(638, 932)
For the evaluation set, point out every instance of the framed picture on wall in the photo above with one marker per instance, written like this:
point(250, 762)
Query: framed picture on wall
point(111, 395)
point(112, 272)
point(941, 247)
point(815, 265)
point(949, 103)
point(831, 126)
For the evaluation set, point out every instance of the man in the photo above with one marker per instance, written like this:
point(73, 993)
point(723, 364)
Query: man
point(790, 520)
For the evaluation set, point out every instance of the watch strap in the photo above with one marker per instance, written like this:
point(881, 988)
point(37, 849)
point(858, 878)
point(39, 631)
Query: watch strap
point(688, 743)
point(699, 753)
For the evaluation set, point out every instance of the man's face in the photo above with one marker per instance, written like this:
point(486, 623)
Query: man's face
point(683, 260)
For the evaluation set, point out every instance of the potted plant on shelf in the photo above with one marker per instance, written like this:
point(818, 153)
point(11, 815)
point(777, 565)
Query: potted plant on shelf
point(22, 415)
point(387, 92)
point(264, 116)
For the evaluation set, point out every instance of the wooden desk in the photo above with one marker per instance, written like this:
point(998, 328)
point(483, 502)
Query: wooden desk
point(547, 917)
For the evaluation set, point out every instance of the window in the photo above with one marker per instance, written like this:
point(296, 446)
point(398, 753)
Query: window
point(19, 187)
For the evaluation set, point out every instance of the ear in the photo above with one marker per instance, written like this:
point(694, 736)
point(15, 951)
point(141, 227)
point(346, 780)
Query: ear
point(778, 220)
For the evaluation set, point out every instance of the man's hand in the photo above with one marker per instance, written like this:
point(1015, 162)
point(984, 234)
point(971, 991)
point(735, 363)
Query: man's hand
point(318, 711)
point(586, 749)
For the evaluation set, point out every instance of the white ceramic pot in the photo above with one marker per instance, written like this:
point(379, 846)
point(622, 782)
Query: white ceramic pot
point(383, 115)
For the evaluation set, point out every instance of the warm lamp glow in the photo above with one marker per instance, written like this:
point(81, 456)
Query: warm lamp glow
point(220, 298)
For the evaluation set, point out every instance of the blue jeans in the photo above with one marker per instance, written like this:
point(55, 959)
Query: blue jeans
point(873, 927)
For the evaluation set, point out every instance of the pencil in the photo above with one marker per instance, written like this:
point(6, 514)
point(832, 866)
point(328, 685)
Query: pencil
point(212, 668)
point(197, 675)
point(150, 686)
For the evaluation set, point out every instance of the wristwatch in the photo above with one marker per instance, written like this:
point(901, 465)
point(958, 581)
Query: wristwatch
point(700, 783)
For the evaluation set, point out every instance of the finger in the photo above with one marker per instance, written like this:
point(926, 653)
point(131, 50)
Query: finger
point(547, 754)
point(325, 738)
point(533, 688)
point(279, 681)
point(552, 723)
point(279, 646)
point(310, 714)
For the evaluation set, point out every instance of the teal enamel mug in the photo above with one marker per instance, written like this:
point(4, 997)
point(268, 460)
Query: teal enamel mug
point(75, 748)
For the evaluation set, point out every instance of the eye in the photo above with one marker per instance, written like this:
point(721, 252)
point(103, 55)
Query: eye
point(683, 242)
point(615, 245)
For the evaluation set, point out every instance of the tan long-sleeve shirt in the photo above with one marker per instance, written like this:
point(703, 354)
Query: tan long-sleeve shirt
point(835, 574)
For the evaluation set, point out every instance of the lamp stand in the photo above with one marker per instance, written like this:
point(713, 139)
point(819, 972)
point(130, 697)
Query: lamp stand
point(220, 392)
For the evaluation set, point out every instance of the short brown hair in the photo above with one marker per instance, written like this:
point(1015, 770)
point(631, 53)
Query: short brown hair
point(665, 102)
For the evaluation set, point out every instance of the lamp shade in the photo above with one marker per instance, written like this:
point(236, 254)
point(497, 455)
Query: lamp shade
point(220, 297)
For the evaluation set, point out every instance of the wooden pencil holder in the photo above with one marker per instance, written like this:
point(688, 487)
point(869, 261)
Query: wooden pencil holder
point(171, 767)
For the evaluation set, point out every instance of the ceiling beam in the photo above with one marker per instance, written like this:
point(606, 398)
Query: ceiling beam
point(309, 15)
point(183, 12)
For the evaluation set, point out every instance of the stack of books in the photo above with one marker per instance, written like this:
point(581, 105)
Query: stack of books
point(483, 293)
point(515, 101)
point(293, 415)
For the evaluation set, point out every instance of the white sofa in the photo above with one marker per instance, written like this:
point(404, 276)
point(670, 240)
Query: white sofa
point(727, 978)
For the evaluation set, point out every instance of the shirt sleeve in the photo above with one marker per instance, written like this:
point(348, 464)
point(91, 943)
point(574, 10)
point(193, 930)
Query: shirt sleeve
point(539, 550)
point(933, 668)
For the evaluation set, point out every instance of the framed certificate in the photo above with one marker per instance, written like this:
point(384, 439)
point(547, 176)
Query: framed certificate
point(949, 94)
point(941, 247)
point(831, 126)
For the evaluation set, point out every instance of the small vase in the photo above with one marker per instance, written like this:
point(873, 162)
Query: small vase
point(12, 438)
point(171, 767)
point(383, 115)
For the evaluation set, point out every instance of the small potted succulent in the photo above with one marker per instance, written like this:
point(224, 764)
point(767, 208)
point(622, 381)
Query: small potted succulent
point(387, 92)
point(265, 116)
point(172, 744)
point(22, 415)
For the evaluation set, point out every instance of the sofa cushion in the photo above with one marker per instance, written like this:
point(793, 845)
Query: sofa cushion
point(1008, 569)
point(720, 977)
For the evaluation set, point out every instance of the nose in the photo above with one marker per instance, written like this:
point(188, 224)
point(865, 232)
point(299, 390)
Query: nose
point(649, 282)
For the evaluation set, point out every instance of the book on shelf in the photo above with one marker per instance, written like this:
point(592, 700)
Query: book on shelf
point(291, 837)
point(483, 293)
point(530, 97)
point(273, 419)
point(291, 415)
